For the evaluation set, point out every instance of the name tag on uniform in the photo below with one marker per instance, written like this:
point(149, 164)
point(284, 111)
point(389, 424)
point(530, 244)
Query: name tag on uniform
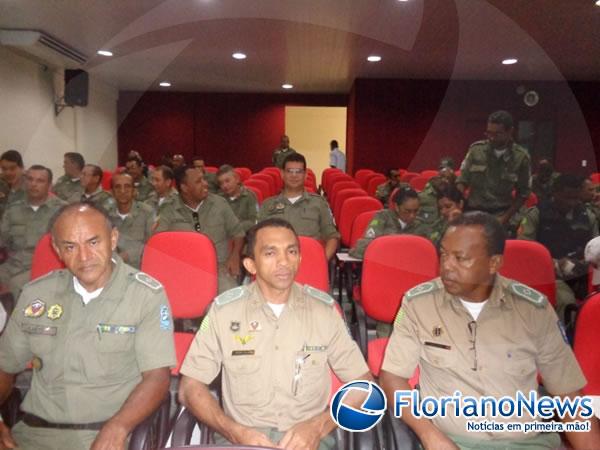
point(436, 345)
point(116, 329)
point(242, 352)
point(38, 329)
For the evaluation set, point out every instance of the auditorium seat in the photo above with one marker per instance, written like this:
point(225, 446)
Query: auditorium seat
point(375, 181)
point(44, 259)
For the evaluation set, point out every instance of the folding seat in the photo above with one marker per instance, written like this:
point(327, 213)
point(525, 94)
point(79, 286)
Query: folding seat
point(418, 183)
point(268, 179)
point(359, 226)
point(586, 343)
point(45, 259)
point(429, 173)
point(261, 185)
point(530, 263)
point(338, 186)
point(276, 180)
point(375, 181)
point(211, 169)
point(334, 178)
point(595, 178)
point(327, 173)
point(106, 178)
point(350, 209)
point(405, 178)
point(342, 196)
point(313, 268)
point(362, 175)
point(243, 172)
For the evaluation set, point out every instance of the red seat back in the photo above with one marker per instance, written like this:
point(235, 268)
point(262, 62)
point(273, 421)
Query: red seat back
point(335, 178)
point(211, 169)
point(276, 179)
point(360, 226)
point(531, 201)
point(338, 186)
point(418, 183)
point(45, 259)
point(361, 176)
point(267, 179)
point(530, 263)
point(327, 173)
point(429, 173)
point(261, 185)
point(313, 268)
point(586, 344)
point(375, 357)
point(595, 178)
point(373, 182)
point(344, 195)
point(405, 178)
point(243, 172)
point(351, 208)
point(106, 179)
point(392, 265)
point(186, 265)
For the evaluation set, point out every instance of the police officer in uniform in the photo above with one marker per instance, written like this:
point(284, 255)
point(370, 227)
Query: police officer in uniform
point(282, 152)
point(400, 219)
point(68, 187)
point(12, 183)
point(162, 180)
point(133, 219)
point(100, 335)
point(564, 226)
point(493, 168)
point(275, 341)
point(91, 178)
point(209, 177)
point(24, 223)
point(478, 333)
point(308, 213)
point(241, 200)
point(135, 167)
point(198, 210)
point(384, 190)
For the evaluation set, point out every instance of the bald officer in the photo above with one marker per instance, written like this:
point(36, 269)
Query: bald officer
point(308, 213)
point(262, 335)
point(100, 335)
point(23, 224)
point(195, 209)
point(478, 333)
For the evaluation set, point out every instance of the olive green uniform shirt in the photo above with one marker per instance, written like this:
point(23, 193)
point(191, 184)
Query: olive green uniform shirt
point(216, 219)
point(144, 189)
point(20, 231)
point(257, 352)
point(385, 223)
point(244, 206)
point(100, 198)
point(134, 231)
point(491, 180)
point(9, 196)
point(91, 356)
point(428, 207)
point(516, 335)
point(69, 189)
point(309, 215)
point(211, 179)
point(279, 156)
point(153, 200)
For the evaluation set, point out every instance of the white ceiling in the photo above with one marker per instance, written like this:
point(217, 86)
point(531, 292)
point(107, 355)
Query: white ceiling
point(318, 45)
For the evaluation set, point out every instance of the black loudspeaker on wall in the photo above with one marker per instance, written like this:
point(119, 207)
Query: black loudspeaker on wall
point(76, 87)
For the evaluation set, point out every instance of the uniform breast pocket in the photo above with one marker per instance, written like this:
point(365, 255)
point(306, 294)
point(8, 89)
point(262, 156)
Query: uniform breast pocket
point(439, 356)
point(509, 177)
point(18, 235)
point(477, 168)
point(520, 368)
point(315, 375)
point(116, 355)
point(246, 382)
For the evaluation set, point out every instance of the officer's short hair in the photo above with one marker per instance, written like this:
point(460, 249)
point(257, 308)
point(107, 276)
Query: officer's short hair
point(392, 173)
point(96, 171)
point(451, 192)
point(136, 159)
point(334, 144)
point(225, 168)
point(40, 167)
point(12, 156)
point(447, 162)
point(502, 118)
point(295, 157)
point(567, 181)
point(71, 207)
point(166, 171)
point(180, 173)
point(275, 222)
point(122, 174)
point(492, 229)
point(402, 194)
point(76, 158)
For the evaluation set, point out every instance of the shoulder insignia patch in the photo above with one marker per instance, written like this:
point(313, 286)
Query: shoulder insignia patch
point(319, 295)
point(53, 273)
point(423, 288)
point(147, 280)
point(529, 294)
point(230, 296)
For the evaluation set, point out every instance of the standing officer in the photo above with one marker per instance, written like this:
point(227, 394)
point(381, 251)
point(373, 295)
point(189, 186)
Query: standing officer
point(493, 168)
point(564, 226)
point(275, 341)
point(133, 219)
point(241, 200)
point(24, 223)
point(308, 213)
point(68, 187)
point(282, 152)
point(135, 167)
point(473, 331)
point(100, 335)
point(91, 179)
point(198, 210)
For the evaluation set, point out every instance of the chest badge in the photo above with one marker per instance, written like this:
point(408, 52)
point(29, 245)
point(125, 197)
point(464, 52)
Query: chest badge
point(244, 339)
point(55, 312)
point(437, 331)
point(255, 326)
point(37, 308)
point(234, 326)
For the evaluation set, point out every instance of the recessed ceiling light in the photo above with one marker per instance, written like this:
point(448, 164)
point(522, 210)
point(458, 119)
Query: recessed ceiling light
point(597, 2)
point(509, 61)
point(239, 55)
point(164, 84)
point(374, 58)
point(287, 86)
point(104, 53)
